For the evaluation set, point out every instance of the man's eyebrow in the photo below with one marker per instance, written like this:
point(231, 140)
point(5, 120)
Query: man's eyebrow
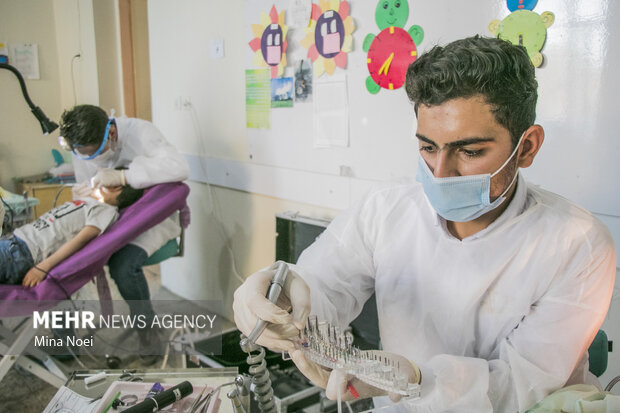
point(459, 143)
point(425, 139)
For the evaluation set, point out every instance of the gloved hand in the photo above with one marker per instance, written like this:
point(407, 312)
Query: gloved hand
point(351, 387)
point(108, 177)
point(81, 190)
point(250, 304)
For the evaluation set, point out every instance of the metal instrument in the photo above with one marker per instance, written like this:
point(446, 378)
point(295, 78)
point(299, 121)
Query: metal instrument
point(256, 354)
point(277, 284)
point(327, 346)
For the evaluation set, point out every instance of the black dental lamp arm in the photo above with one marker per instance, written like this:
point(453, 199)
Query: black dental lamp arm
point(47, 125)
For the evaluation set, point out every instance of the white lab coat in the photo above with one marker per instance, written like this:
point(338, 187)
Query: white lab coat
point(150, 160)
point(496, 321)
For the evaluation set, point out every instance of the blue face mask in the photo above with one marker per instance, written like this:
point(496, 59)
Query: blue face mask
point(99, 150)
point(461, 198)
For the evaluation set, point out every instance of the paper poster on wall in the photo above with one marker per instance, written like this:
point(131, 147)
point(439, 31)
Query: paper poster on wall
point(4, 53)
point(282, 92)
point(299, 12)
point(25, 57)
point(303, 81)
point(329, 37)
point(392, 51)
point(257, 98)
point(331, 113)
point(524, 27)
point(269, 42)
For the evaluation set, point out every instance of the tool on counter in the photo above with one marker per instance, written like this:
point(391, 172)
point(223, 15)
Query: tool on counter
point(112, 402)
point(163, 399)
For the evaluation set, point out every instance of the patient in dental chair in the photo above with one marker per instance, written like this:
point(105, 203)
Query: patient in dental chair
point(35, 248)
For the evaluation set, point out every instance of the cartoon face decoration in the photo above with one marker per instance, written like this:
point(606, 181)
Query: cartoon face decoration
point(329, 34)
point(391, 13)
point(521, 4)
point(271, 44)
point(392, 51)
point(525, 28)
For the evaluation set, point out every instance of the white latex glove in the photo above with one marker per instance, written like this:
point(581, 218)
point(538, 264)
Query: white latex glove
point(250, 304)
point(108, 177)
point(334, 380)
point(81, 190)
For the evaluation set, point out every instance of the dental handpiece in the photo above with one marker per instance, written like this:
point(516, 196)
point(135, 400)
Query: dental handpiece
point(275, 288)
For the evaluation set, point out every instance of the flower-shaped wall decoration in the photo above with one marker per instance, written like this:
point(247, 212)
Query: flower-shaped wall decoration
point(269, 42)
point(329, 36)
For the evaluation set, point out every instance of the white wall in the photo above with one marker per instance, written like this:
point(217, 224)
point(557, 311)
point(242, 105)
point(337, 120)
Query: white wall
point(179, 34)
point(213, 125)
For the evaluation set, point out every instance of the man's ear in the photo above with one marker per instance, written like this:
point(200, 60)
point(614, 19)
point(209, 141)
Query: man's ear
point(532, 141)
point(113, 132)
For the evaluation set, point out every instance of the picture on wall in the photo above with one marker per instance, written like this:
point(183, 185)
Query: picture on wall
point(282, 92)
point(303, 81)
point(257, 98)
point(524, 27)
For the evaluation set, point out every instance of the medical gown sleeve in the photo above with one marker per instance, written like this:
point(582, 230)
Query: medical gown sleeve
point(156, 161)
point(339, 267)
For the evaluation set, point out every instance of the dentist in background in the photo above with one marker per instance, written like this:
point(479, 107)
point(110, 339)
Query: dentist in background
point(100, 144)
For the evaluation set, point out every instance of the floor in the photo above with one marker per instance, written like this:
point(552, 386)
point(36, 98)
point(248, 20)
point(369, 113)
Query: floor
point(20, 391)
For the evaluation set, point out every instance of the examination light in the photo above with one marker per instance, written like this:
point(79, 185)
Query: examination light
point(47, 125)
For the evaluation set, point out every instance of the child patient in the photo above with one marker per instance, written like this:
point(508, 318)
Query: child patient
point(34, 249)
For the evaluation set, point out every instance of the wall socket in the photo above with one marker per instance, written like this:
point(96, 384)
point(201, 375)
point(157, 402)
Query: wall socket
point(216, 48)
point(182, 103)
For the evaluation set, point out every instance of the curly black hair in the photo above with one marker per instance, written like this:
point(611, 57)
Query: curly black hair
point(496, 69)
point(128, 196)
point(83, 125)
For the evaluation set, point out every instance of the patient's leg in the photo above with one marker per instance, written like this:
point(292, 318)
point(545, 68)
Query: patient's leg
point(126, 270)
point(15, 260)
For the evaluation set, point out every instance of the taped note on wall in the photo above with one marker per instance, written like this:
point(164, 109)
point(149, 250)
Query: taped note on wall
point(331, 113)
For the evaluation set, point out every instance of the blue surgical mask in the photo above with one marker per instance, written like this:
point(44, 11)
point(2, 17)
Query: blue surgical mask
point(462, 198)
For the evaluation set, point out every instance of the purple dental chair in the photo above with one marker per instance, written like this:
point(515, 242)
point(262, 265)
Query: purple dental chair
point(157, 204)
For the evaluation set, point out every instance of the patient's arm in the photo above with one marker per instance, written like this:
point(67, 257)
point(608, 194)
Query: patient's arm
point(35, 275)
